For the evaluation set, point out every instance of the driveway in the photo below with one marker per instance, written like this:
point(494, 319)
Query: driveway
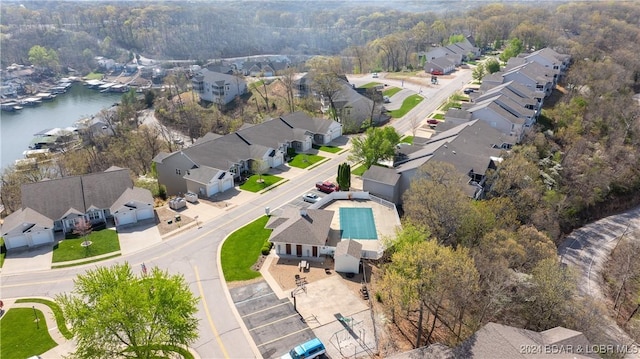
point(587, 250)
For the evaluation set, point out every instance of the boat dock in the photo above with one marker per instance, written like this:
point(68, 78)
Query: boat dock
point(11, 106)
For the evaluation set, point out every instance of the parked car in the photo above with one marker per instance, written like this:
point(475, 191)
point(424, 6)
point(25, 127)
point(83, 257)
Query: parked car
point(310, 197)
point(327, 187)
point(433, 121)
point(436, 72)
point(307, 350)
point(374, 75)
point(469, 90)
point(386, 99)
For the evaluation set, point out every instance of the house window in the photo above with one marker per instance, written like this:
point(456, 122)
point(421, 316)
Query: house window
point(93, 215)
point(178, 172)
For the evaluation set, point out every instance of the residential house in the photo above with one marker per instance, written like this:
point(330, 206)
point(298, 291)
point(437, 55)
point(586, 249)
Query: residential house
point(60, 204)
point(439, 66)
point(353, 109)
point(288, 227)
point(497, 341)
point(213, 163)
point(27, 228)
point(500, 117)
point(513, 90)
point(472, 148)
point(347, 256)
point(218, 88)
point(532, 75)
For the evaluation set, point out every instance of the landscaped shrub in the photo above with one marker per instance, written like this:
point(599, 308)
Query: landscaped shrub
point(266, 247)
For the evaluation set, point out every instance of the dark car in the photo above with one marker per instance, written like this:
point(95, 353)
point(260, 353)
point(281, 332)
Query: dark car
point(326, 187)
point(469, 90)
point(433, 121)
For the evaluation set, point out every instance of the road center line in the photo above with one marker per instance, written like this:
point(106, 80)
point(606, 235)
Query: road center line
point(206, 310)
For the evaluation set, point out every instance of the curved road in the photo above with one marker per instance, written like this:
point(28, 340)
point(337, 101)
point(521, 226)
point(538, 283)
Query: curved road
point(195, 253)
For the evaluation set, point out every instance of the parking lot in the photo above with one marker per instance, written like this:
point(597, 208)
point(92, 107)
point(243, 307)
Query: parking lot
point(273, 323)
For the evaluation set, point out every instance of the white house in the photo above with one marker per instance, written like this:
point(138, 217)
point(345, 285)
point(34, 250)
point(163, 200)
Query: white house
point(133, 206)
point(218, 88)
point(347, 256)
point(27, 228)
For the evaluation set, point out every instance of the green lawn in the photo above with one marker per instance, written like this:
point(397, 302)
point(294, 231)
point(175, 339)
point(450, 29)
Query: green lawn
point(392, 91)
point(57, 312)
point(94, 76)
point(438, 116)
point(331, 149)
point(358, 171)
point(370, 85)
point(252, 184)
point(3, 251)
point(303, 160)
point(407, 139)
point(102, 242)
point(21, 336)
point(408, 104)
point(241, 250)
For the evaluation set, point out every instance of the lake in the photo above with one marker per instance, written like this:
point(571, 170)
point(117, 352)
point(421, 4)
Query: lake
point(17, 128)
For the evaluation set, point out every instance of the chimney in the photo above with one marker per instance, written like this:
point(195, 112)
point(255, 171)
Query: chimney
point(303, 212)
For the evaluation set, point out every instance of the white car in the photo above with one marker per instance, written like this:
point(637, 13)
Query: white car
point(310, 197)
point(374, 75)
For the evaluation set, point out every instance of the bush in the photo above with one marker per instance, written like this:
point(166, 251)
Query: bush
point(291, 151)
point(266, 247)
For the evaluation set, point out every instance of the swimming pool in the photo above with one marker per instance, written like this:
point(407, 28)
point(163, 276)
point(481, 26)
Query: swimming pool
point(357, 223)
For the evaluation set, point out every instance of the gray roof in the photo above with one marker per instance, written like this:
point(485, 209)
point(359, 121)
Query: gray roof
point(131, 195)
point(160, 157)
point(202, 175)
point(25, 218)
point(499, 341)
point(219, 78)
point(508, 91)
point(272, 133)
point(223, 152)
point(441, 62)
point(209, 136)
point(533, 70)
point(382, 175)
point(55, 198)
point(497, 108)
point(516, 107)
point(300, 119)
point(311, 229)
point(349, 247)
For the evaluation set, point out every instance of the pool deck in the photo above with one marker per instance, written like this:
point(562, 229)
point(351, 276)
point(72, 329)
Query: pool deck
point(386, 221)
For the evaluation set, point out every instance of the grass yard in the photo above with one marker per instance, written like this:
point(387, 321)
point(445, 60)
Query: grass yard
point(438, 116)
point(330, 149)
point(392, 91)
point(370, 85)
point(94, 76)
point(252, 184)
point(303, 160)
point(57, 312)
point(407, 139)
point(20, 336)
point(102, 242)
point(407, 105)
point(358, 171)
point(241, 250)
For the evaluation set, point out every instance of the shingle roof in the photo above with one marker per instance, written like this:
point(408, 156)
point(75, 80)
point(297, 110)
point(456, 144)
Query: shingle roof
point(223, 152)
point(349, 247)
point(135, 194)
point(500, 341)
point(312, 228)
point(202, 175)
point(54, 198)
point(25, 218)
point(382, 175)
point(272, 133)
point(300, 119)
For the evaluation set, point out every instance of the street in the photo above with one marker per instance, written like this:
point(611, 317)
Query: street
point(195, 253)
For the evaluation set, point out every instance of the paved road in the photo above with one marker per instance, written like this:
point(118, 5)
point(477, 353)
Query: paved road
point(587, 250)
point(195, 254)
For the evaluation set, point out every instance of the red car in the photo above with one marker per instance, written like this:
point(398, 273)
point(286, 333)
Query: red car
point(433, 121)
point(327, 187)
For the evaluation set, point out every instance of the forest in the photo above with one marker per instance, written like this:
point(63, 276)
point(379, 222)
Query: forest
point(491, 260)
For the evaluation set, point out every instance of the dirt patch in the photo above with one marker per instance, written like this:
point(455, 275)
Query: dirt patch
point(166, 220)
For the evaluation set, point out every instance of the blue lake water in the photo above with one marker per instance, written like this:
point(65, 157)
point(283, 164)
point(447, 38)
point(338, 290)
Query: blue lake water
point(17, 128)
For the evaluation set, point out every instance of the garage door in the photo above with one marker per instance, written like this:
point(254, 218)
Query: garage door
point(41, 237)
point(127, 217)
point(227, 183)
point(16, 241)
point(277, 160)
point(144, 213)
point(212, 189)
